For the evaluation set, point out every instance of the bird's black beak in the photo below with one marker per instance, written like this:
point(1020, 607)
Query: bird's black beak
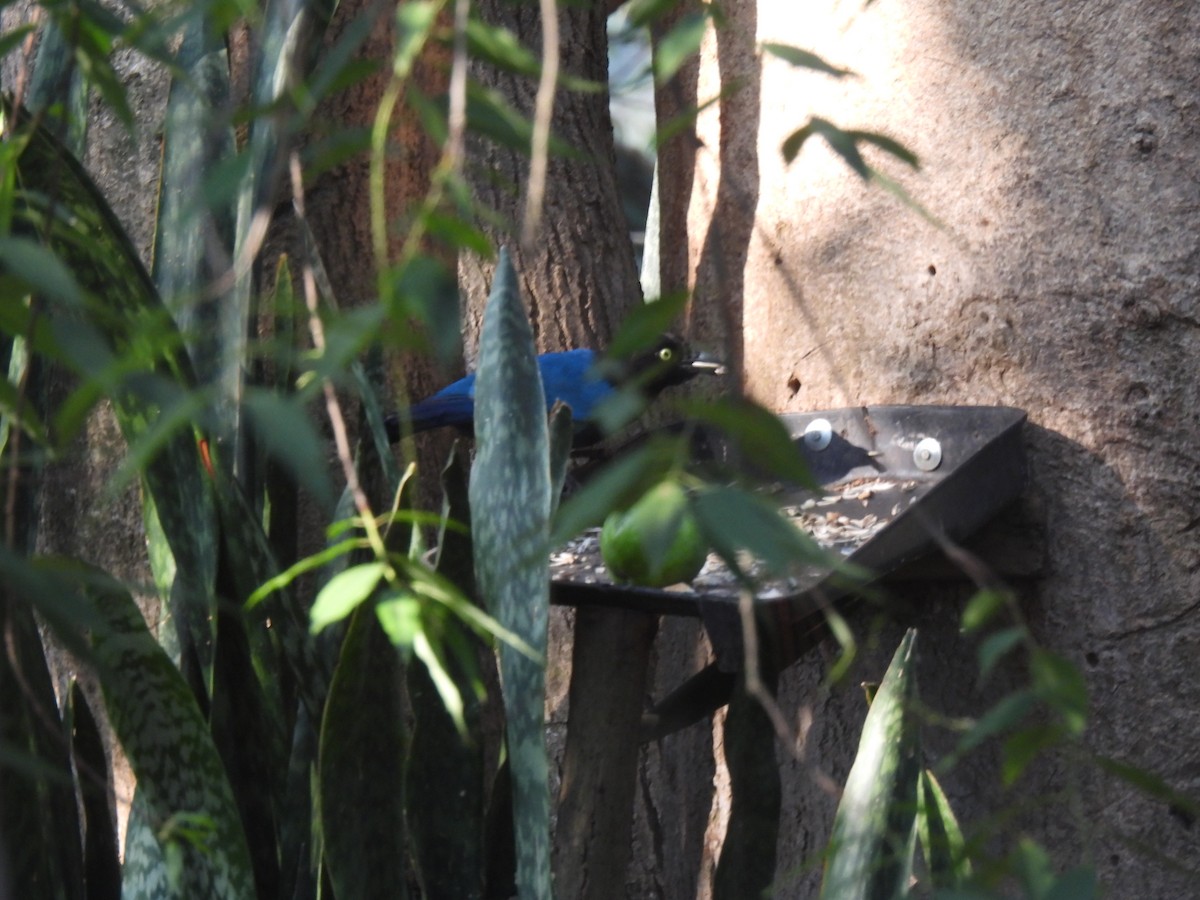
point(703, 363)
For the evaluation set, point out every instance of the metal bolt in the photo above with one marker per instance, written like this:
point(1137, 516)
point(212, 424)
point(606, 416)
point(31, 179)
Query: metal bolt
point(927, 455)
point(818, 434)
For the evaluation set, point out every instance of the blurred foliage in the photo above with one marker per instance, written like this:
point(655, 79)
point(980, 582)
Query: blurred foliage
point(304, 725)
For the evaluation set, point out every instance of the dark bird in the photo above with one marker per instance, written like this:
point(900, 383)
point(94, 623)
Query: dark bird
point(582, 379)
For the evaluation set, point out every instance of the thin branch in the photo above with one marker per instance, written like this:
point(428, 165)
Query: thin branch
point(457, 117)
point(332, 407)
point(543, 111)
point(750, 671)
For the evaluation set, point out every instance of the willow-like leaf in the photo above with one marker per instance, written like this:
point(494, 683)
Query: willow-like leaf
point(510, 515)
point(870, 851)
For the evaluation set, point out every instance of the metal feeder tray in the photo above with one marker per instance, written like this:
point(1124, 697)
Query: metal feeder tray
point(897, 481)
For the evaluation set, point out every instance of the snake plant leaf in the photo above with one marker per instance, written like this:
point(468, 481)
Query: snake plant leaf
point(188, 802)
point(361, 780)
point(58, 87)
point(510, 514)
point(871, 850)
point(445, 773)
point(38, 816)
point(189, 226)
point(58, 204)
point(252, 564)
point(941, 836)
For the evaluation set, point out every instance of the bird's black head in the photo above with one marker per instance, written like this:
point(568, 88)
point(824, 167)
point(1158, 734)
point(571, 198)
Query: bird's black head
point(666, 364)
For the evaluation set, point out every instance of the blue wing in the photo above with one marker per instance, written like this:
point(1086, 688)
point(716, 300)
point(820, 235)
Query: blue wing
point(566, 376)
point(569, 377)
point(453, 405)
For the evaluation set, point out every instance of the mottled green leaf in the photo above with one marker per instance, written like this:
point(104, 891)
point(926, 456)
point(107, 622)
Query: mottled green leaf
point(124, 336)
point(179, 774)
point(941, 837)
point(510, 512)
point(361, 777)
point(870, 851)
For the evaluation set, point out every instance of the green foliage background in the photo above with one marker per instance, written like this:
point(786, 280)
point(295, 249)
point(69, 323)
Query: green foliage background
point(312, 726)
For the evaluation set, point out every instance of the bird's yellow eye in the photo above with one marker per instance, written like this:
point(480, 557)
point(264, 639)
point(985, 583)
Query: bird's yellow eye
point(666, 354)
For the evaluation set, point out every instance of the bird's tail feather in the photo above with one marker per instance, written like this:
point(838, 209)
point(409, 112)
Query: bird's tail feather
point(436, 412)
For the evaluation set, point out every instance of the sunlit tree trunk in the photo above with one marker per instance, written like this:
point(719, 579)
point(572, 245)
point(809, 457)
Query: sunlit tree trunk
point(1059, 153)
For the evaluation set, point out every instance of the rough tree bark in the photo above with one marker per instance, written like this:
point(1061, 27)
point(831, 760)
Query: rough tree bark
point(579, 276)
point(1059, 149)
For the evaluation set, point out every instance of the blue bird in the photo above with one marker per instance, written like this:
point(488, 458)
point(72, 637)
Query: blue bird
point(582, 379)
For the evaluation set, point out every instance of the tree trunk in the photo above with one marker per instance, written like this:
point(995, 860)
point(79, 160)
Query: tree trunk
point(1059, 149)
point(579, 275)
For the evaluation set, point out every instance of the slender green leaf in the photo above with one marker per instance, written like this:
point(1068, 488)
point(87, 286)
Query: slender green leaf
point(285, 431)
point(344, 592)
point(844, 635)
point(491, 115)
point(734, 520)
point(982, 608)
point(996, 646)
point(870, 852)
point(510, 513)
point(1060, 684)
point(307, 564)
point(941, 837)
point(400, 615)
point(645, 12)
point(672, 50)
point(646, 324)
point(1022, 747)
point(414, 23)
point(806, 59)
point(761, 440)
point(1149, 783)
point(615, 486)
point(1001, 717)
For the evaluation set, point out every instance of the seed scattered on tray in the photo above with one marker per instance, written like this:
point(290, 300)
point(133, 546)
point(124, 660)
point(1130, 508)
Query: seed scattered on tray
point(829, 519)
